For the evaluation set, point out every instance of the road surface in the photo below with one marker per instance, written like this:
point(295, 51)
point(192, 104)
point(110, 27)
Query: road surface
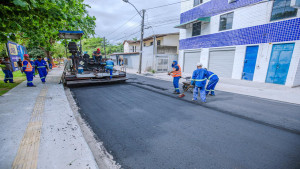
point(142, 128)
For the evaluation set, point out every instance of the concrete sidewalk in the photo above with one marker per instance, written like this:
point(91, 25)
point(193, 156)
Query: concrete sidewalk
point(250, 88)
point(39, 130)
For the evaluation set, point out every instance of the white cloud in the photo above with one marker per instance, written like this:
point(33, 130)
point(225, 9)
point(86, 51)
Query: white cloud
point(111, 14)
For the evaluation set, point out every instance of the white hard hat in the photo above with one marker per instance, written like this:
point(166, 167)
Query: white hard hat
point(199, 65)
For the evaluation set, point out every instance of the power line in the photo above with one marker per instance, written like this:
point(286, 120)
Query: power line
point(118, 34)
point(128, 35)
point(165, 24)
point(123, 24)
point(166, 5)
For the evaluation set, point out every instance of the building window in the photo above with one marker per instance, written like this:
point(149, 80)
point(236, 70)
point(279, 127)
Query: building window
point(134, 48)
point(158, 43)
point(226, 21)
point(125, 61)
point(196, 29)
point(282, 9)
point(144, 44)
point(197, 2)
point(151, 43)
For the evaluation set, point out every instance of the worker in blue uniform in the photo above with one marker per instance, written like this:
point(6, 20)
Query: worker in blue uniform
point(110, 67)
point(213, 80)
point(42, 68)
point(7, 70)
point(176, 74)
point(33, 67)
point(50, 64)
point(27, 68)
point(199, 78)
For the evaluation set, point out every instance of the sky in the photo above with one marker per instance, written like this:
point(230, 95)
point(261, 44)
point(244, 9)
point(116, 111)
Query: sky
point(119, 21)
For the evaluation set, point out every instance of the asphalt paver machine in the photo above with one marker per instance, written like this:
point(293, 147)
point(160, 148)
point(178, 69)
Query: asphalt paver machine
point(94, 71)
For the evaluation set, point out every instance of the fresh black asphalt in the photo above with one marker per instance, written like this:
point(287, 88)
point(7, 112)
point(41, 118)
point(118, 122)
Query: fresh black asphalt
point(143, 128)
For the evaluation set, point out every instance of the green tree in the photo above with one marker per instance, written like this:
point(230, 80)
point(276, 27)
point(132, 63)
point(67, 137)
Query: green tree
point(37, 23)
point(91, 44)
point(35, 52)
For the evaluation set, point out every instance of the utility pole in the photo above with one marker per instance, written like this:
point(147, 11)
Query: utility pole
point(141, 42)
point(104, 47)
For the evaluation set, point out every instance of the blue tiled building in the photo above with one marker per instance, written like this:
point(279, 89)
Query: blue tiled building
point(256, 40)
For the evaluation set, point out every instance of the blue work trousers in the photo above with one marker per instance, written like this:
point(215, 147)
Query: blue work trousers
point(176, 84)
point(110, 72)
point(202, 93)
point(8, 76)
point(211, 86)
point(43, 74)
point(29, 76)
point(50, 65)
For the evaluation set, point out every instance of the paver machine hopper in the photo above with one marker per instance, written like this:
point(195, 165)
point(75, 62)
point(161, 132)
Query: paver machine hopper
point(94, 71)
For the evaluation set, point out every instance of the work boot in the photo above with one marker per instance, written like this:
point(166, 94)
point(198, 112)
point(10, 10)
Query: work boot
point(194, 100)
point(43, 82)
point(32, 86)
point(175, 92)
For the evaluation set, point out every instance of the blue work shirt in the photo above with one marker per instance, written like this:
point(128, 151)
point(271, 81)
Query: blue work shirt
point(109, 64)
point(199, 77)
point(40, 64)
point(212, 76)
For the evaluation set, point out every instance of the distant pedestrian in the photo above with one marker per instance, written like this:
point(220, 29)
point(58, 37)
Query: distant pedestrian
point(50, 64)
point(42, 68)
point(20, 65)
point(8, 70)
point(28, 69)
point(213, 80)
point(33, 66)
point(199, 81)
point(176, 74)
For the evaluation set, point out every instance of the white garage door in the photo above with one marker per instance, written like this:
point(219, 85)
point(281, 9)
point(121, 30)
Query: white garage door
point(221, 62)
point(190, 61)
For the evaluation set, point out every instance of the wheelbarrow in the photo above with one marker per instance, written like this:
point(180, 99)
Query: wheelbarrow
point(187, 85)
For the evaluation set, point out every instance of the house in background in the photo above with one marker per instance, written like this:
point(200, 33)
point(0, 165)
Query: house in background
point(158, 52)
point(255, 40)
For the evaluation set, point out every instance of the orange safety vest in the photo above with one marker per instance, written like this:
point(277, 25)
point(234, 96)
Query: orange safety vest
point(177, 73)
point(28, 67)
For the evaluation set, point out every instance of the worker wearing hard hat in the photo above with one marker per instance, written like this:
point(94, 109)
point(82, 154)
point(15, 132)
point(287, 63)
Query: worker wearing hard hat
point(199, 78)
point(176, 74)
point(97, 55)
point(42, 68)
point(213, 80)
point(28, 69)
point(110, 67)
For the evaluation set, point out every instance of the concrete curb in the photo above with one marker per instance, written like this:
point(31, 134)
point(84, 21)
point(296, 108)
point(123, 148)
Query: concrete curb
point(102, 157)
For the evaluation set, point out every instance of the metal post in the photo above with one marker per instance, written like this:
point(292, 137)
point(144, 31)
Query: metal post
point(104, 47)
point(154, 52)
point(142, 37)
point(66, 46)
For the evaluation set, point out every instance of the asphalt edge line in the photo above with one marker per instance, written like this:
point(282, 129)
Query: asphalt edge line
point(102, 157)
point(294, 131)
point(226, 91)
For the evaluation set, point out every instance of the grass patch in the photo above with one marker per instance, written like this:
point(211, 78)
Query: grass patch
point(5, 87)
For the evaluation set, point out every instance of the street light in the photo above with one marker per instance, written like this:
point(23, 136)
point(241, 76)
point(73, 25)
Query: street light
point(142, 14)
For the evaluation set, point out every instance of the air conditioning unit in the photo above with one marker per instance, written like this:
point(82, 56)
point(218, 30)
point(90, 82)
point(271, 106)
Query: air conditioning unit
point(231, 1)
point(295, 3)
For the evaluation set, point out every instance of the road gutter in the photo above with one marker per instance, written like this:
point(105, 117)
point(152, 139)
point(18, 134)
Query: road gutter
point(102, 157)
